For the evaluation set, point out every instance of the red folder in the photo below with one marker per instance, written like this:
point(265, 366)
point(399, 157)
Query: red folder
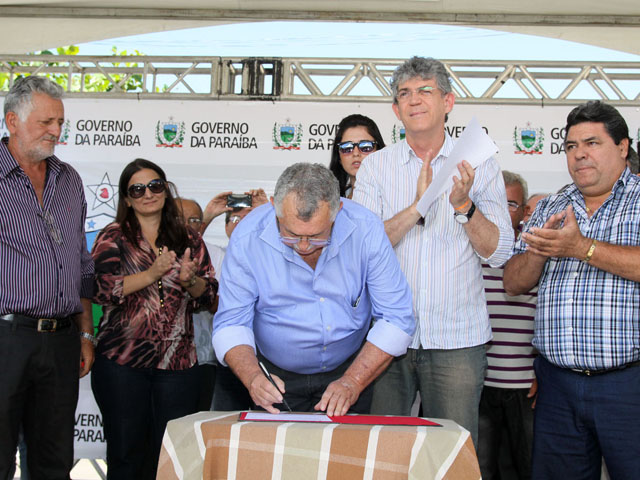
point(383, 420)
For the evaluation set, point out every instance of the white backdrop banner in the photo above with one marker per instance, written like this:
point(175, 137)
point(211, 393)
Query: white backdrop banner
point(209, 147)
point(89, 441)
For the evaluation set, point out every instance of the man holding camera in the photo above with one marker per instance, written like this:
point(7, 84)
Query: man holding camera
point(304, 310)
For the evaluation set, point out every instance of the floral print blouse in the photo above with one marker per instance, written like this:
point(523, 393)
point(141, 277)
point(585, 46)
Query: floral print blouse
point(139, 330)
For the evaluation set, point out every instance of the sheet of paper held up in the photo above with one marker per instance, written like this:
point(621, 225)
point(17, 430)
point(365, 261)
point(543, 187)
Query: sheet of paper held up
point(284, 417)
point(474, 146)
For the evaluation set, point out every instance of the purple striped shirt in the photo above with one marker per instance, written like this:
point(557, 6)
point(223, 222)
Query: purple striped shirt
point(46, 267)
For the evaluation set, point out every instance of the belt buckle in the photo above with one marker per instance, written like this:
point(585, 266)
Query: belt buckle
point(47, 324)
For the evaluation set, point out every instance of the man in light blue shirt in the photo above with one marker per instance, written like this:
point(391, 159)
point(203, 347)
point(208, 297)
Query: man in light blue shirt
point(301, 280)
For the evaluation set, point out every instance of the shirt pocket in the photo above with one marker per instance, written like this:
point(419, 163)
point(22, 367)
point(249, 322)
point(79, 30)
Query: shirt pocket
point(359, 309)
point(623, 232)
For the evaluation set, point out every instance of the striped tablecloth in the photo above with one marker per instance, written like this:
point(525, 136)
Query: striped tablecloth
point(215, 445)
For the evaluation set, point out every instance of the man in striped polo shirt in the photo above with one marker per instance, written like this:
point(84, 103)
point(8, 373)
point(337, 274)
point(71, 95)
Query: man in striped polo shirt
point(46, 281)
point(509, 387)
point(582, 248)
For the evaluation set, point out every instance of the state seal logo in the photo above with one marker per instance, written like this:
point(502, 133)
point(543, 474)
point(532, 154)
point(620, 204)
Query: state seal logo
point(398, 133)
point(287, 136)
point(528, 140)
point(64, 134)
point(102, 210)
point(169, 134)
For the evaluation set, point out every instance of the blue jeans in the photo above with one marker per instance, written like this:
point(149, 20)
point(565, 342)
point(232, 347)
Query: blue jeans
point(505, 410)
point(449, 381)
point(580, 419)
point(136, 404)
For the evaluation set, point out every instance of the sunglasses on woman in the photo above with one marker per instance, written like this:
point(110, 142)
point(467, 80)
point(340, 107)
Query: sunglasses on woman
point(365, 146)
point(137, 189)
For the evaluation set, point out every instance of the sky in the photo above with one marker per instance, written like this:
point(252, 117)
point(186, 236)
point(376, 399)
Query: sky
point(354, 40)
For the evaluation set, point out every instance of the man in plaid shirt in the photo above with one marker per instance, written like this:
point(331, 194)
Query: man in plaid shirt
point(582, 248)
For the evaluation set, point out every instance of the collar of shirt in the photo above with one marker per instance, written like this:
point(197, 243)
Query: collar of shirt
point(574, 195)
point(8, 164)
point(445, 150)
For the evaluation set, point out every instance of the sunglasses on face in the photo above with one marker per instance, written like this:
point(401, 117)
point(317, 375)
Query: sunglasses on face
point(365, 146)
point(137, 190)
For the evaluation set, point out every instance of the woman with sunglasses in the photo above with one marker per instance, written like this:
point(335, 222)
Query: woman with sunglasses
point(357, 137)
point(151, 273)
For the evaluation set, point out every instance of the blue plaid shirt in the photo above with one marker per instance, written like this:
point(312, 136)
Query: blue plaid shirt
point(588, 318)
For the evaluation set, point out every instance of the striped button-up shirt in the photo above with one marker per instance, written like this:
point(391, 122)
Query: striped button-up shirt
point(441, 266)
point(46, 268)
point(588, 318)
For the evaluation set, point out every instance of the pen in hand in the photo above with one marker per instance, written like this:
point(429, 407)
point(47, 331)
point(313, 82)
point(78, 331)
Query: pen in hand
point(270, 378)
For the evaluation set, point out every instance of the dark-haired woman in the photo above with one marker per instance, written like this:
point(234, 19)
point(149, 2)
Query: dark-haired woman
point(357, 137)
point(151, 272)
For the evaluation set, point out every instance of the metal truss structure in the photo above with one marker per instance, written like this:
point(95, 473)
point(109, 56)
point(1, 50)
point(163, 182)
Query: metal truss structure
point(323, 79)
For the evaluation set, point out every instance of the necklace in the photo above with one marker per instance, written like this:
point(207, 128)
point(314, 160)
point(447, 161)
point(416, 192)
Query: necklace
point(160, 291)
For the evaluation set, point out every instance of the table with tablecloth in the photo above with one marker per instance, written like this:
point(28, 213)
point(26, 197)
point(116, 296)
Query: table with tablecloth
point(216, 445)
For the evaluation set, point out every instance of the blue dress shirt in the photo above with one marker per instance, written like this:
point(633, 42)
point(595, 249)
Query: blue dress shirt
point(305, 320)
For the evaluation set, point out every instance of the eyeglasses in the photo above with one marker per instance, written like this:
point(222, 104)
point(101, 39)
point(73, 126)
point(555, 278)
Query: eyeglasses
point(405, 94)
point(137, 190)
point(52, 228)
point(294, 242)
point(313, 242)
point(365, 146)
point(513, 205)
point(192, 220)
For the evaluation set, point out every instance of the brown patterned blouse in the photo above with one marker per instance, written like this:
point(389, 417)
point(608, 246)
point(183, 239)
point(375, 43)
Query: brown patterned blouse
point(135, 330)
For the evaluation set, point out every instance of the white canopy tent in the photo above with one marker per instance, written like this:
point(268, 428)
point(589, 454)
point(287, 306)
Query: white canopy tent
point(30, 25)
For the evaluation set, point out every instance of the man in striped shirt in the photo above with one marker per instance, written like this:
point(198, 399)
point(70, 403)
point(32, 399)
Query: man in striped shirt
point(509, 387)
point(582, 248)
point(440, 254)
point(46, 281)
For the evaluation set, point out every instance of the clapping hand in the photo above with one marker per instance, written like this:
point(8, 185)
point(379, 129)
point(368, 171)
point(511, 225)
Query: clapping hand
point(462, 186)
point(188, 267)
point(560, 236)
point(162, 264)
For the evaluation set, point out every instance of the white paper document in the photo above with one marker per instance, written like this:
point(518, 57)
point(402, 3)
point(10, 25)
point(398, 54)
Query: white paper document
point(474, 146)
point(286, 417)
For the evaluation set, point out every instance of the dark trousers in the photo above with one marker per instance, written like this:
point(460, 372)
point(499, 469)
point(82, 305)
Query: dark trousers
point(136, 404)
point(303, 392)
point(229, 393)
point(580, 419)
point(38, 388)
point(506, 419)
point(207, 376)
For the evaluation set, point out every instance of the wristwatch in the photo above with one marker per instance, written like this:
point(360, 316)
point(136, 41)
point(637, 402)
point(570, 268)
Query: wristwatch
point(89, 337)
point(463, 218)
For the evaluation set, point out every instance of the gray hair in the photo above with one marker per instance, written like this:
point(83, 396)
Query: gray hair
point(312, 183)
point(425, 68)
point(511, 178)
point(18, 100)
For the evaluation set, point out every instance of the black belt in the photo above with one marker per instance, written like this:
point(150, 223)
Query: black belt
point(40, 324)
point(591, 373)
